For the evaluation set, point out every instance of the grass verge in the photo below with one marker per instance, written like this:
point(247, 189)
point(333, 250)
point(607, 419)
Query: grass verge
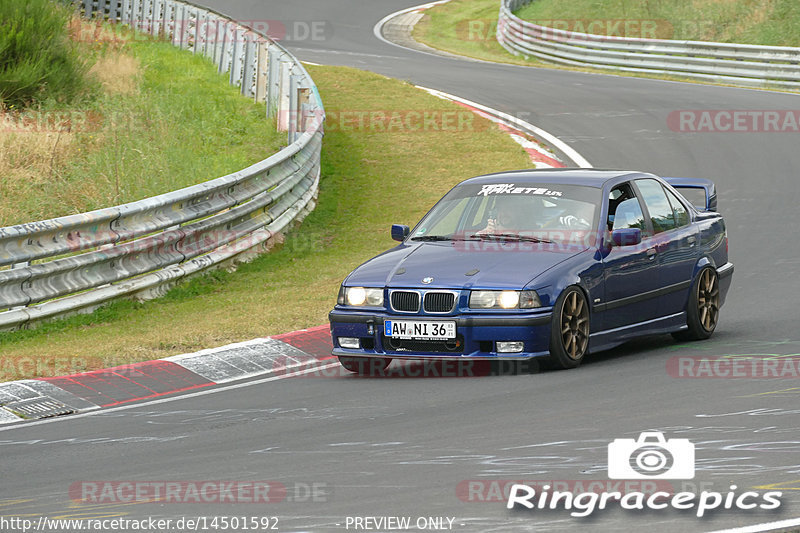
point(390, 152)
point(164, 119)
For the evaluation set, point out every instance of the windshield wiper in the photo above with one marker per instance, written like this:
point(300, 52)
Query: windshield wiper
point(511, 237)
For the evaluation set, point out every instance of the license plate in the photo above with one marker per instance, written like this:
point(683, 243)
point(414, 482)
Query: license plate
point(419, 330)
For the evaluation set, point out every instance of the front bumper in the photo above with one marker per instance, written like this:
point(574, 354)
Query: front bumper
point(477, 335)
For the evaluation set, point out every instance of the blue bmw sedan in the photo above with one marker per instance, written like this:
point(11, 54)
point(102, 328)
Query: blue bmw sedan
point(553, 263)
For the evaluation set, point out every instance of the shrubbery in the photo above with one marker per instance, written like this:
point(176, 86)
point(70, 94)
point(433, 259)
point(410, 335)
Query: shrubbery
point(38, 61)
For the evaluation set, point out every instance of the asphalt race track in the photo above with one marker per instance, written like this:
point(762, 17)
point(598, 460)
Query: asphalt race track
point(345, 446)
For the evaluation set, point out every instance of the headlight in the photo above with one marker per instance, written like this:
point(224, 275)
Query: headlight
point(360, 296)
point(504, 300)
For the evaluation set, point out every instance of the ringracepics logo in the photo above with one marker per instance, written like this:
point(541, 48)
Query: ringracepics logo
point(651, 456)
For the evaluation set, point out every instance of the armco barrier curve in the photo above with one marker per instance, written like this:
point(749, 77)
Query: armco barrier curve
point(74, 263)
point(736, 64)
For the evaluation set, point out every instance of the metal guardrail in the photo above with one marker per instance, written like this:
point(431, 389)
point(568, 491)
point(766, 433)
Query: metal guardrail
point(75, 263)
point(737, 64)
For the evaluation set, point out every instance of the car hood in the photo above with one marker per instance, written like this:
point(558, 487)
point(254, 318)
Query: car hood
point(454, 265)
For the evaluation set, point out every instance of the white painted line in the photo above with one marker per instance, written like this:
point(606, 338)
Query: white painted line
point(253, 342)
point(7, 417)
point(569, 151)
point(768, 526)
point(204, 392)
point(241, 360)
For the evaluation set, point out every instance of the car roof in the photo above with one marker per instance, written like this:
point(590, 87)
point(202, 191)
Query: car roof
point(589, 177)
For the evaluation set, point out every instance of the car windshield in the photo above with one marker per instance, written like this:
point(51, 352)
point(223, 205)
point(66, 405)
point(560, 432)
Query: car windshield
point(538, 212)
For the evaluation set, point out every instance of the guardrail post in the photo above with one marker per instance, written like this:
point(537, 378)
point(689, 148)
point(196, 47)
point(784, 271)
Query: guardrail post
point(219, 42)
point(284, 95)
point(209, 36)
point(113, 10)
point(250, 67)
point(125, 12)
point(201, 32)
point(176, 25)
point(184, 36)
point(136, 14)
point(227, 46)
point(262, 72)
point(273, 79)
point(148, 16)
point(236, 58)
point(169, 20)
point(293, 106)
point(158, 17)
point(192, 23)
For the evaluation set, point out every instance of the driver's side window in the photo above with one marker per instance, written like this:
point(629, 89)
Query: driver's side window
point(628, 215)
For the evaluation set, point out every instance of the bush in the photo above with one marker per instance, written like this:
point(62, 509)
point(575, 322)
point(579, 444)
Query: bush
point(38, 60)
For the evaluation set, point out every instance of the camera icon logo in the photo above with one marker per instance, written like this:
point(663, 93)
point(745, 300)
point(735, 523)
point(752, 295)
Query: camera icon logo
point(651, 457)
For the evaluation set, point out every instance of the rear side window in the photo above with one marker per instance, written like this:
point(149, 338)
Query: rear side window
point(681, 215)
point(661, 214)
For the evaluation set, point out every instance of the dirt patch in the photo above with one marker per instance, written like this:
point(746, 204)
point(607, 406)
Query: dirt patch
point(117, 72)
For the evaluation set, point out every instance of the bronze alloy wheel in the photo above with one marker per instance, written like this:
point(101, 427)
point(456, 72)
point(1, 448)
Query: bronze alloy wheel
point(708, 299)
point(702, 309)
point(575, 325)
point(569, 328)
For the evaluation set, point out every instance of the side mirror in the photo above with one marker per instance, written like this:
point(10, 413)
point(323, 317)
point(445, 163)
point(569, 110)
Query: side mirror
point(399, 232)
point(626, 236)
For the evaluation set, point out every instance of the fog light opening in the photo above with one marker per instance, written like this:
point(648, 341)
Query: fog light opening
point(510, 346)
point(351, 343)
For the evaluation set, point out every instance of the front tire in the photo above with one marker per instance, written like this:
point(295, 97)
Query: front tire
point(569, 335)
point(364, 366)
point(702, 311)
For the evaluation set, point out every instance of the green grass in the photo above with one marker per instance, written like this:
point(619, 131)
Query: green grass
point(164, 120)
point(466, 27)
point(374, 173)
point(766, 22)
point(38, 61)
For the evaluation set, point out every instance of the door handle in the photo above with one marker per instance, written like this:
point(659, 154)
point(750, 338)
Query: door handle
point(651, 253)
point(692, 240)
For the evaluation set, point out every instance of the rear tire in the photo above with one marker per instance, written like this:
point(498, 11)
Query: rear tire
point(364, 366)
point(569, 329)
point(702, 311)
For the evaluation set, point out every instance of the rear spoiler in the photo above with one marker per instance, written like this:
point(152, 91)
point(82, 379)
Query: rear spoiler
point(690, 189)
